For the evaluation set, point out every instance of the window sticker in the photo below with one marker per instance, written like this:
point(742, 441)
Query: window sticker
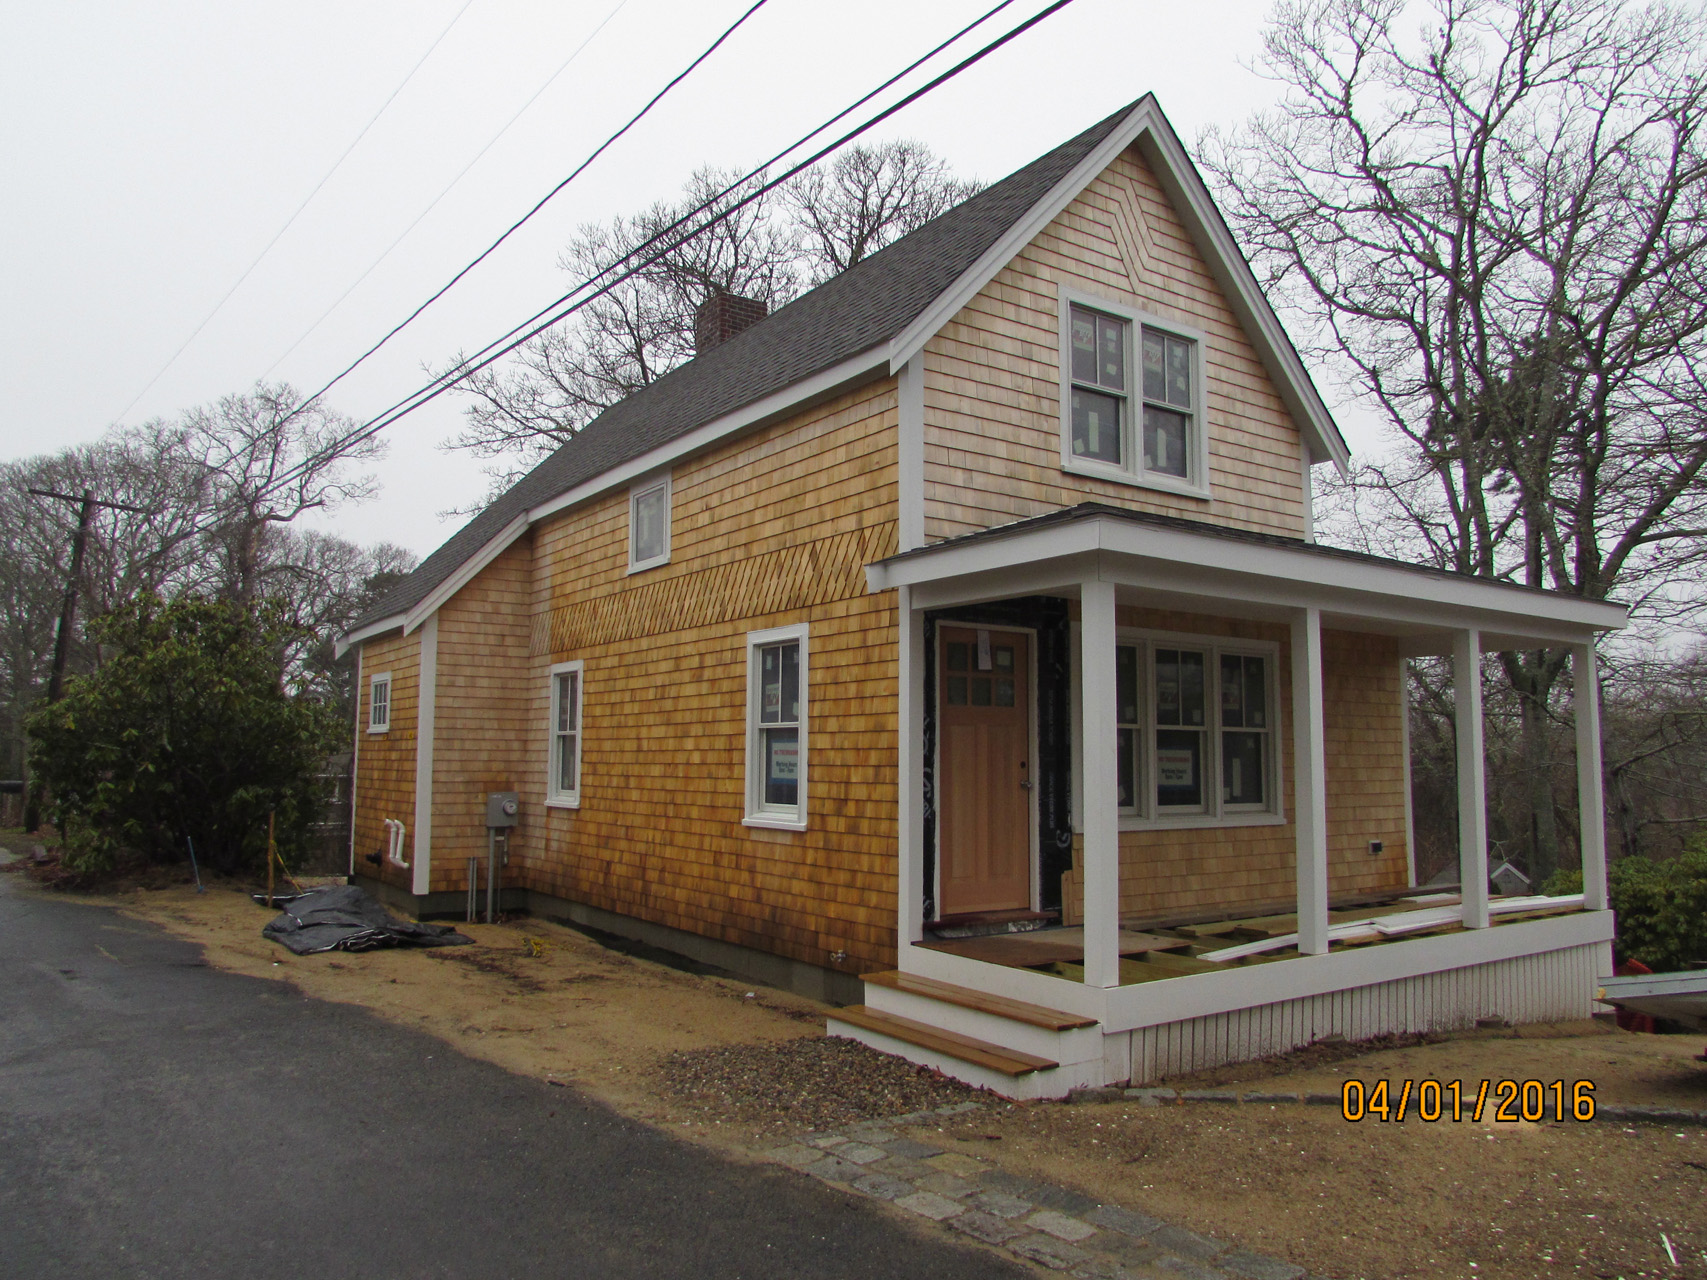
point(1176, 767)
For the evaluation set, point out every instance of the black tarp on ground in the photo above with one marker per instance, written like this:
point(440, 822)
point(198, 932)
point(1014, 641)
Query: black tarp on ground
point(345, 918)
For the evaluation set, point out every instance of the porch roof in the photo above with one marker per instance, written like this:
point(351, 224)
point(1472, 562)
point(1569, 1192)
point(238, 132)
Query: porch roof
point(1201, 567)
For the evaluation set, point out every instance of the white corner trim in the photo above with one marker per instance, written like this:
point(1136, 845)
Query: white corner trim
point(342, 644)
point(356, 735)
point(1179, 177)
point(425, 717)
point(464, 573)
point(910, 398)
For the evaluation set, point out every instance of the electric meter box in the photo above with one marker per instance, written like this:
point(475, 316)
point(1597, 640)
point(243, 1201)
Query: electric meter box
point(503, 808)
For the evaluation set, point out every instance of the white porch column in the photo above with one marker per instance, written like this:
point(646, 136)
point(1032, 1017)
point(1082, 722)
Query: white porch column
point(1309, 780)
point(909, 776)
point(1100, 769)
point(1472, 780)
point(1591, 803)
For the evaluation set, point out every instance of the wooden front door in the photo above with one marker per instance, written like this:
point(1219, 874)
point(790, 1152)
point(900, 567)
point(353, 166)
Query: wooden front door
point(984, 770)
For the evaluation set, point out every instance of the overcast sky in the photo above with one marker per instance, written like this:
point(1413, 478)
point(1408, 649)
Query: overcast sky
point(152, 150)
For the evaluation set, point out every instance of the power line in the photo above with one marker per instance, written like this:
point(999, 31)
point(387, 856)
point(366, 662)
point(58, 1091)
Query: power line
point(543, 200)
point(449, 187)
point(291, 221)
point(502, 346)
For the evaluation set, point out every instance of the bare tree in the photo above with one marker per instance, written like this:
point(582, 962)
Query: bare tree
point(1489, 216)
point(817, 225)
point(867, 198)
point(635, 333)
point(266, 458)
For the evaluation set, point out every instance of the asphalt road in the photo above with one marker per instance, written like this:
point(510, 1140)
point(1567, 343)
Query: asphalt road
point(161, 1118)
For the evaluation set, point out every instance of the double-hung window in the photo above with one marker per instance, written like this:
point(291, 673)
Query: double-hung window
point(1132, 397)
point(563, 780)
point(776, 727)
point(649, 523)
point(379, 703)
point(1195, 731)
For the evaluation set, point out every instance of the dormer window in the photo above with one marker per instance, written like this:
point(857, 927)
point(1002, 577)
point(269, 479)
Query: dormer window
point(1132, 388)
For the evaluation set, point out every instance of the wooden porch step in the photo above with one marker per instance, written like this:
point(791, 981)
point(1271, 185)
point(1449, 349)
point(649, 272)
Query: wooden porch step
point(1034, 1015)
point(1010, 1062)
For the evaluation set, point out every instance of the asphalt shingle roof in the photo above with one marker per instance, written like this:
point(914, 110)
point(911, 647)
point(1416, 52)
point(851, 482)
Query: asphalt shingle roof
point(869, 304)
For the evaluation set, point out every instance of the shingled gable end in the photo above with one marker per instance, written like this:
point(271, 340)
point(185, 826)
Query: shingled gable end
point(972, 592)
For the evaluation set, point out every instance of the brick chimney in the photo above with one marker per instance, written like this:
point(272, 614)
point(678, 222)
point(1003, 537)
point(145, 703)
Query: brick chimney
point(721, 317)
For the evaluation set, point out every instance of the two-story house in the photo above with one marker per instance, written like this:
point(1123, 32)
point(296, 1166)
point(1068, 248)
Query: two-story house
point(960, 628)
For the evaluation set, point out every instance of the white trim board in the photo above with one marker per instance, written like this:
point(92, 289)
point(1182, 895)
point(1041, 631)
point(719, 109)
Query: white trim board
point(425, 722)
point(1207, 565)
point(342, 644)
point(1146, 126)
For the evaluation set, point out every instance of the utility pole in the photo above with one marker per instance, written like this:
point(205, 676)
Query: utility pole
point(87, 503)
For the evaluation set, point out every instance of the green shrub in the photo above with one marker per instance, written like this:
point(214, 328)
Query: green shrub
point(1661, 907)
point(186, 731)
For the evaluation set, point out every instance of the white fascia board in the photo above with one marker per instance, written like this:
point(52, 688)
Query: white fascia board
point(856, 370)
point(1146, 124)
point(465, 573)
point(1202, 564)
point(342, 644)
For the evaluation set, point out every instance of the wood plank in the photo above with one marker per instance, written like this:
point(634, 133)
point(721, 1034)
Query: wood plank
point(1010, 1062)
point(1015, 1010)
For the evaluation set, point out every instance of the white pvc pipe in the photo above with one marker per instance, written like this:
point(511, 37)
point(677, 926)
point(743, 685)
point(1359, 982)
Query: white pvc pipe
point(394, 833)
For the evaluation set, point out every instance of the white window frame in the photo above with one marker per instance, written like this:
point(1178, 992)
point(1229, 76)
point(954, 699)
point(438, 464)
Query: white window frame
point(1195, 483)
point(758, 813)
point(380, 679)
point(635, 493)
point(1144, 816)
point(556, 798)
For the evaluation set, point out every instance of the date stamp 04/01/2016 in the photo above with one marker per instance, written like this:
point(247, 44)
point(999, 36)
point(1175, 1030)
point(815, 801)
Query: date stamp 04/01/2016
point(1504, 1101)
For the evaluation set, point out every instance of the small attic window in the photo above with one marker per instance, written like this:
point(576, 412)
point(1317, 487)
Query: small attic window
point(649, 524)
point(379, 703)
point(1132, 397)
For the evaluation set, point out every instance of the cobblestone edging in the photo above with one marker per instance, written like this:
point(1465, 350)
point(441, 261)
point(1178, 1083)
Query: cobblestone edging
point(1178, 1097)
point(1050, 1225)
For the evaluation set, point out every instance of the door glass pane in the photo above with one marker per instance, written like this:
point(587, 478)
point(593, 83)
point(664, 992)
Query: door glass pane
point(1242, 770)
point(1084, 346)
point(1004, 691)
point(957, 691)
point(1003, 657)
point(782, 766)
point(1096, 426)
point(1111, 352)
point(980, 691)
point(1191, 687)
point(1164, 441)
point(959, 656)
point(1179, 768)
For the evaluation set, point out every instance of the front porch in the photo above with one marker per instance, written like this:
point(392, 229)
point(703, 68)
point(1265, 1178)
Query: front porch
point(1212, 761)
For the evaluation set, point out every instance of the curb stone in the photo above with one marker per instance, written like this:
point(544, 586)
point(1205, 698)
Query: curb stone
point(1053, 1226)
